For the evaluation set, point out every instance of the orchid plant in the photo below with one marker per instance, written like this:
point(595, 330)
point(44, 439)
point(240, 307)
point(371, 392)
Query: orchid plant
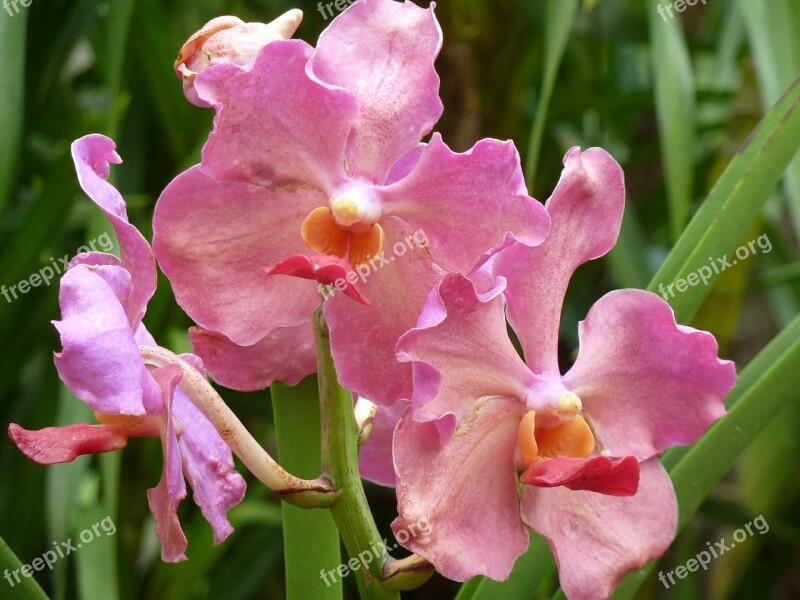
point(315, 176)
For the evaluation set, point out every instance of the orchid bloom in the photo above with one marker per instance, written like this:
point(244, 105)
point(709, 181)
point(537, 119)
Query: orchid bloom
point(103, 300)
point(586, 443)
point(316, 153)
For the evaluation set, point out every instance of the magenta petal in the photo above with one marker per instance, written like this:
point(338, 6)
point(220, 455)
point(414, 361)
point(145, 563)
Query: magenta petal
point(602, 474)
point(286, 354)
point(597, 539)
point(466, 490)
point(324, 269)
point(92, 155)
point(54, 445)
point(275, 124)
point(461, 352)
point(383, 53)
point(375, 460)
point(586, 211)
point(100, 361)
point(646, 382)
point(171, 489)
point(469, 205)
point(208, 465)
point(214, 239)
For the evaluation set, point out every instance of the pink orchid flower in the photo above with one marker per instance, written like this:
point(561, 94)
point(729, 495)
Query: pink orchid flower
point(586, 442)
point(317, 151)
point(103, 300)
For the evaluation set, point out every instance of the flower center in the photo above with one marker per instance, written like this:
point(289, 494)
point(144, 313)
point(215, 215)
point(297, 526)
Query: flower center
point(133, 426)
point(349, 228)
point(573, 438)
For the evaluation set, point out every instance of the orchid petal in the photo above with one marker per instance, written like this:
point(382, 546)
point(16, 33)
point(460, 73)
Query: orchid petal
point(53, 445)
point(324, 269)
point(375, 460)
point(602, 474)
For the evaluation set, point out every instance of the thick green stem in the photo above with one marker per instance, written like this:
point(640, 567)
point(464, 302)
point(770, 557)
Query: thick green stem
point(310, 537)
point(367, 552)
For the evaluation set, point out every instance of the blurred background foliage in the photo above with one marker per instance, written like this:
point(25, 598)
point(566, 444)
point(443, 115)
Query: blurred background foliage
point(671, 99)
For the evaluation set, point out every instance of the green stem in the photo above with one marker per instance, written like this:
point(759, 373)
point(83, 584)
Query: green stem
point(340, 463)
point(310, 536)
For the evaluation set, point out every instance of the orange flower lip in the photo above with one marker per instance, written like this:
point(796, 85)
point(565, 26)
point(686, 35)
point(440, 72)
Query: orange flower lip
point(572, 439)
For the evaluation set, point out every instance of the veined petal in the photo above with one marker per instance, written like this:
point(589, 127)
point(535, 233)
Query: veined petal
point(100, 360)
point(469, 205)
point(171, 489)
point(646, 382)
point(602, 474)
point(460, 352)
point(375, 460)
point(586, 212)
point(466, 490)
point(383, 52)
point(92, 155)
point(286, 354)
point(53, 445)
point(363, 338)
point(275, 124)
point(213, 240)
point(597, 539)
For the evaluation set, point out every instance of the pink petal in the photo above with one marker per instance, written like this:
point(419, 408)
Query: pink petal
point(596, 538)
point(286, 354)
point(586, 212)
point(324, 269)
point(461, 352)
point(214, 239)
point(375, 459)
point(54, 445)
point(275, 124)
point(171, 489)
point(100, 361)
point(363, 338)
point(208, 465)
point(469, 205)
point(646, 382)
point(92, 155)
point(383, 53)
point(602, 474)
point(466, 490)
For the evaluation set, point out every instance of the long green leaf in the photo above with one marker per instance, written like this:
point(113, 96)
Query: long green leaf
point(26, 588)
point(12, 113)
point(732, 206)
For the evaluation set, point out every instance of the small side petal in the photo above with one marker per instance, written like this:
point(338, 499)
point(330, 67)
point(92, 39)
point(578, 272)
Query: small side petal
point(646, 382)
point(601, 474)
point(286, 354)
point(383, 53)
point(324, 269)
point(54, 445)
point(586, 212)
point(598, 539)
point(465, 490)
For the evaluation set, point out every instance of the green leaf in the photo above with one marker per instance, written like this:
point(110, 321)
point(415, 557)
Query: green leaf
point(27, 588)
point(733, 204)
point(12, 108)
point(675, 108)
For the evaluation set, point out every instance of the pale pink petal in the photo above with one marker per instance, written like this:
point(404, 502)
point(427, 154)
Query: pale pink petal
point(601, 474)
point(469, 205)
point(586, 213)
point(466, 490)
point(100, 361)
point(54, 445)
point(375, 455)
point(461, 352)
point(324, 269)
point(405, 164)
point(208, 465)
point(275, 124)
point(383, 53)
point(363, 338)
point(171, 489)
point(214, 239)
point(92, 155)
point(597, 539)
point(647, 383)
point(286, 354)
